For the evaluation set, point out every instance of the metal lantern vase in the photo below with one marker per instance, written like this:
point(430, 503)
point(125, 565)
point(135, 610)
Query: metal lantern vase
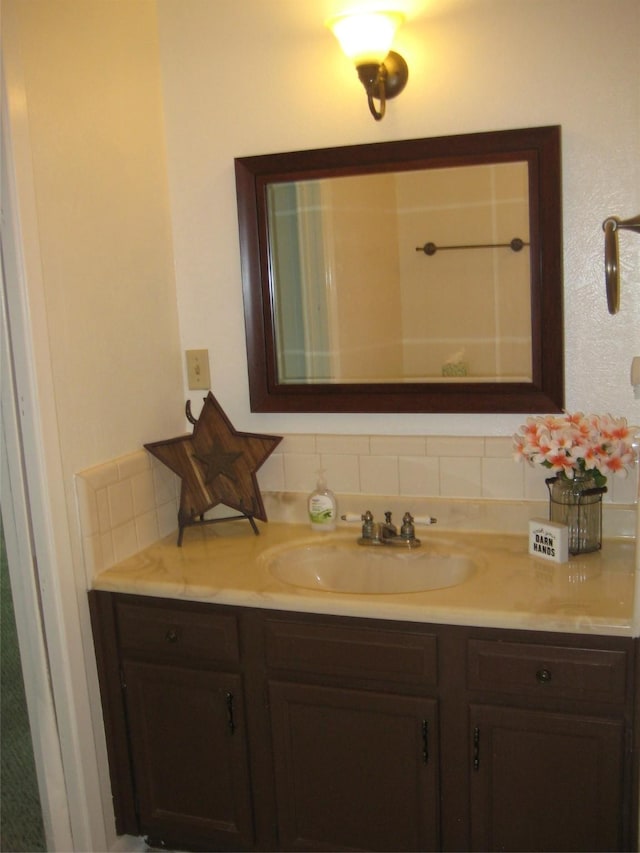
point(578, 504)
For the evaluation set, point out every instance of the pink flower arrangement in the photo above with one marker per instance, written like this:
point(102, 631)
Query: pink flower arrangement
point(571, 444)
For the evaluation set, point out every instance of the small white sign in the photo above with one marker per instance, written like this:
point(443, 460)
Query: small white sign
point(549, 540)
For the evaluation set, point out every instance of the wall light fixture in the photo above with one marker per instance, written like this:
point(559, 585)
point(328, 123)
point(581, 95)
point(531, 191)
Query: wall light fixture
point(611, 226)
point(366, 38)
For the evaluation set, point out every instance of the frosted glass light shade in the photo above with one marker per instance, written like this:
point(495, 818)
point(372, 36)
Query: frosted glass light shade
point(366, 37)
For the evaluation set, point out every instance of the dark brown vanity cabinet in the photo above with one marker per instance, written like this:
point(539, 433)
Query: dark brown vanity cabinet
point(356, 755)
point(195, 785)
point(174, 705)
point(232, 728)
point(548, 781)
point(550, 730)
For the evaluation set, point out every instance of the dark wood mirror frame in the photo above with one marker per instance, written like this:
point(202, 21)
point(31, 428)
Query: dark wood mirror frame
point(539, 147)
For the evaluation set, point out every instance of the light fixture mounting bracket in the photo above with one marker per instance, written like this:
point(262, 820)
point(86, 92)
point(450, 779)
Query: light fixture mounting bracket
point(397, 74)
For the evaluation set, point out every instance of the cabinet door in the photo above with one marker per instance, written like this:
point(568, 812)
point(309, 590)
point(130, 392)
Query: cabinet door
point(355, 770)
point(545, 781)
point(189, 754)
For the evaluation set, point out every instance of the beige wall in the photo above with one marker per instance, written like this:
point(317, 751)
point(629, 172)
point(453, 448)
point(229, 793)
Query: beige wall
point(473, 66)
point(95, 112)
point(94, 103)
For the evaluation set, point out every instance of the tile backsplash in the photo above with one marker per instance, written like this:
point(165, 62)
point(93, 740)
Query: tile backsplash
point(123, 506)
point(128, 503)
point(431, 466)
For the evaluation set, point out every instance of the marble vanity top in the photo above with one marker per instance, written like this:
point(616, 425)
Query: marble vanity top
point(227, 564)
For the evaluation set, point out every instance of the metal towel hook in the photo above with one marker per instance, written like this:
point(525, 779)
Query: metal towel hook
point(611, 226)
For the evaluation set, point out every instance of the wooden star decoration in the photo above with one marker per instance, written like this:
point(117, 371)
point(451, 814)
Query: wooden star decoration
point(217, 465)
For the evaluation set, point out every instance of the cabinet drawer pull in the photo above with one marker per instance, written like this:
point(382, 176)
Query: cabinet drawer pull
point(425, 741)
point(171, 636)
point(476, 748)
point(543, 676)
point(230, 720)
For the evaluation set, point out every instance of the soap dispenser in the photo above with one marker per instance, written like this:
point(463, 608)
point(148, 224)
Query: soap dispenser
point(322, 506)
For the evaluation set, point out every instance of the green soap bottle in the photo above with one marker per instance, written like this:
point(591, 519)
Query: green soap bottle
point(322, 506)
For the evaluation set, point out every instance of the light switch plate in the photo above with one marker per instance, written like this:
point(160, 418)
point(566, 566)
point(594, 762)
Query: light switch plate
point(549, 540)
point(198, 369)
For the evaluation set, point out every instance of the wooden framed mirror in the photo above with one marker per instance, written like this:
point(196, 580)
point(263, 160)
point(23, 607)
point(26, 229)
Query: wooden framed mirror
point(414, 276)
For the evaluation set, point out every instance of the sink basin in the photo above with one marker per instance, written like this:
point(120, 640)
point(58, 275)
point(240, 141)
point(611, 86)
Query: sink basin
point(347, 567)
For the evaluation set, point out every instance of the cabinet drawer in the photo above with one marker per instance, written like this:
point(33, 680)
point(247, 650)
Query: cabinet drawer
point(537, 669)
point(177, 633)
point(358, 653)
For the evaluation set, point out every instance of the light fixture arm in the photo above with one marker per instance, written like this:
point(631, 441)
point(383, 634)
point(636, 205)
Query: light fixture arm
point(383, 81)
point(611, 226)
point(373, 78)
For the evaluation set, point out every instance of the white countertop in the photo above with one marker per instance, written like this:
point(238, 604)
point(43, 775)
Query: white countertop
point(226, 563)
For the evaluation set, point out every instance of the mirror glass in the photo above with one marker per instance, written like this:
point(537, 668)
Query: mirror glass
point(354, 278)
point(413, 276)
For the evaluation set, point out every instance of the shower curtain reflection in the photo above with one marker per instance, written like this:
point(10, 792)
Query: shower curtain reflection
point(299, 261)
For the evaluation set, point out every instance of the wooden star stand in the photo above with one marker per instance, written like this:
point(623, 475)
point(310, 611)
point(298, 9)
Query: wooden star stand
point(217, 465)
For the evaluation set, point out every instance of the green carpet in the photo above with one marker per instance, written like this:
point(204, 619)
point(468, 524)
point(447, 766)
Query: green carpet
point(21, 828)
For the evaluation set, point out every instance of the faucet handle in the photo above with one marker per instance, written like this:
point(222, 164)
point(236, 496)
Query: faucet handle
point(425, 520)
point(369, 528)
point(367, 522)
point(352, 517)
point(407, 531)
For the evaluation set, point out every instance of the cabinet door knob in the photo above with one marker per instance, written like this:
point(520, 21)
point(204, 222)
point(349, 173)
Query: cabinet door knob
point(171, 636)
point(543, 676)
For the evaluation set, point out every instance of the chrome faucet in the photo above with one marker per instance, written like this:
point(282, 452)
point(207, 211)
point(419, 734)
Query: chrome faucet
point(386, 532)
